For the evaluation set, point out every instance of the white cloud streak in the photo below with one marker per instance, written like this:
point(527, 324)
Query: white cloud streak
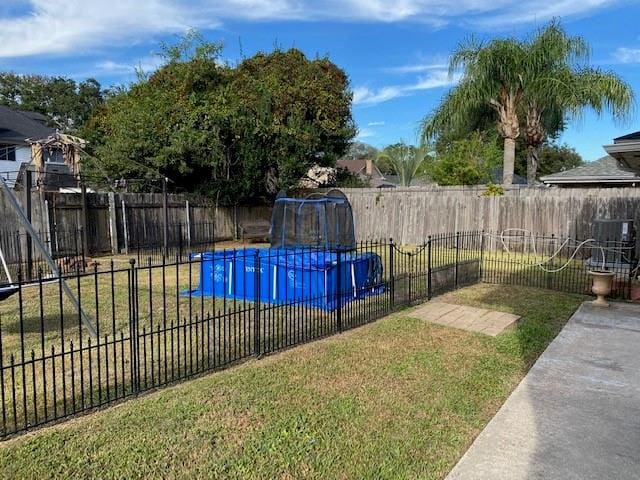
point(627, 55)
point(71, 27)
point(146, 64)
point(365, 133)
point(363, 95)
point(418, 68)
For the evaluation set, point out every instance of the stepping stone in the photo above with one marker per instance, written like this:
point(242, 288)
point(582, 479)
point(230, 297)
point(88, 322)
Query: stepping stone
point(472, 319)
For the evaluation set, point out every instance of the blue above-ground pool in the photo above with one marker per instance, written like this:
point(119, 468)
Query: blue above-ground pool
point(289, 275)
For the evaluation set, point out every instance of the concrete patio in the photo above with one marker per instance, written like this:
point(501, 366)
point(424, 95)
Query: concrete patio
point(576, 414)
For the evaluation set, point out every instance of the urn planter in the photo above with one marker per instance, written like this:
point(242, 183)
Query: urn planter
point(601, 287)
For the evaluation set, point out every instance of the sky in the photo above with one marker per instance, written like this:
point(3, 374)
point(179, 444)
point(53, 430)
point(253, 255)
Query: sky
point(395, 52)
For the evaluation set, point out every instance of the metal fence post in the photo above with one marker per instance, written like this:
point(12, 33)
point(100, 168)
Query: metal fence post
point(339, 292)
point(256, 304)
point(455, 278)
point(481, 266)
point(392, 278)
point(133, 328)
point(429, 277)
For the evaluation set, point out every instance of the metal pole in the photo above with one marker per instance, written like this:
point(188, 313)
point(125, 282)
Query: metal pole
point(339, 292)
point(256, 304)
point(481, 268)
point(429, 273)
point(392, 277)
point(457, 258)
point(52, 264)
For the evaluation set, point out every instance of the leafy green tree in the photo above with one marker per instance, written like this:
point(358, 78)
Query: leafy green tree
point(234, 133)
point(557, 158)
point(403, 160)
point(347, 179)
point(66, 103)
point(360, 150)
point(470, 161)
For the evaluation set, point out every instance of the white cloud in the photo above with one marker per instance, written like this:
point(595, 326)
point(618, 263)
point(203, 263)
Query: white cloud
point(366, 96)
point(364, 133)
point(530, 11)
point(627, 55)
point(71, 26)
point(146, 64)
point(376, 124)
point(418, 68)
point(74, 26)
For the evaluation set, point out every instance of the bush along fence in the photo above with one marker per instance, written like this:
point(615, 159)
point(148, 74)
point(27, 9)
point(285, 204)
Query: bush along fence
point(158, 323)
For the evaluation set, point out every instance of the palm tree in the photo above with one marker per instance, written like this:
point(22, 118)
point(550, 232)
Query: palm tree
point(492, 76)
point(557, 87)
point(404, 160)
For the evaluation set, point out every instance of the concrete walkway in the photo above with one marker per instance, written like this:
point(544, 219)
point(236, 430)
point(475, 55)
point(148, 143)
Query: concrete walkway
point(576, 414)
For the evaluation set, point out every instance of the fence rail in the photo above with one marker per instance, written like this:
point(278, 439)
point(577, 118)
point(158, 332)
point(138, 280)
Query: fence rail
point(161, 322)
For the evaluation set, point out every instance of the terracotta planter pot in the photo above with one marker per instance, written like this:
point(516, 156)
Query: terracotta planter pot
point(601, 286)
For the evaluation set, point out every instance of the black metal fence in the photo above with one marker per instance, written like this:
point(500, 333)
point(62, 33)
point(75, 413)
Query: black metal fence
point(23, 258)
point(160, 322)
point(146, 241)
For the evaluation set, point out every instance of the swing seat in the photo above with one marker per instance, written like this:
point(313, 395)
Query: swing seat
point(6, 291)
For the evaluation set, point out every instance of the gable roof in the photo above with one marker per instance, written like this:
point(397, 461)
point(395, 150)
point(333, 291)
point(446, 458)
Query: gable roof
point(17, 126)
point(603, 170)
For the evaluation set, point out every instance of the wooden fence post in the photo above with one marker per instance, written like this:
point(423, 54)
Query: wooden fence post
point(165, 218)
point(188, 224)
point(125, 229)
point(113, 223)
point(28, 183)
point(83, 218)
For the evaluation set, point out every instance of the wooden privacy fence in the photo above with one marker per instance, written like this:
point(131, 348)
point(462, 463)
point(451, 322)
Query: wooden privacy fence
point(118, 222)
point(408, 214)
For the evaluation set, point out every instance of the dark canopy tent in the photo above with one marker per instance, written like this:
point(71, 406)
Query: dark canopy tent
point(318, 220)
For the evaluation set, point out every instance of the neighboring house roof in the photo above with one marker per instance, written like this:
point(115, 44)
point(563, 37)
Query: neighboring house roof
point(17, 126)
point(38, 117)
point(630, 136)
point(359, 167)
point(603, 170)
point(626, 150)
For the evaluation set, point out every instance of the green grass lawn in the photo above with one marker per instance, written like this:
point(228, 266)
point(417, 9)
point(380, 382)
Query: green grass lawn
point(398, 398)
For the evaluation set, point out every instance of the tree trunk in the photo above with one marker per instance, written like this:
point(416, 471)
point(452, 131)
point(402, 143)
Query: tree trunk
point(532, 164)
point(508, 161)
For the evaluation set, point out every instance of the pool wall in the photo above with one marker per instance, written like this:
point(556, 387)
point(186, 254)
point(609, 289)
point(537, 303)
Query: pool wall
point(289, 275)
